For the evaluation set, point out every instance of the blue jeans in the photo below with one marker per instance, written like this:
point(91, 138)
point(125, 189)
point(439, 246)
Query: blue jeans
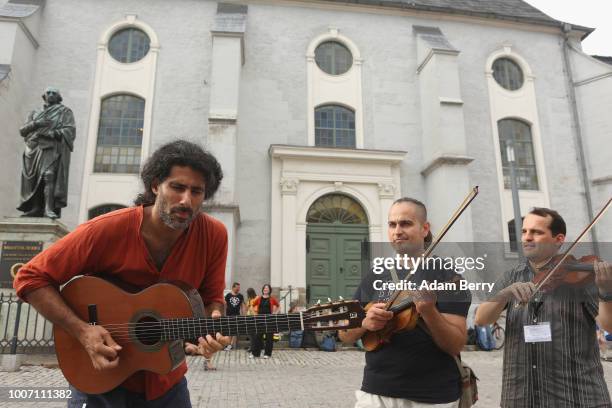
point(177, 396)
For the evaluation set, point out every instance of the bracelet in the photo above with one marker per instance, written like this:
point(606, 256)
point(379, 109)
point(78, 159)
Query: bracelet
point(605, 297)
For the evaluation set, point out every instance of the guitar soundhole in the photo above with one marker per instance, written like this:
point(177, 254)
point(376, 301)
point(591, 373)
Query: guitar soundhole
point(148, 331)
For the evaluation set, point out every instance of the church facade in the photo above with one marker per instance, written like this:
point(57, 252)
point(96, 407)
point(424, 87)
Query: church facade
point(322, 113)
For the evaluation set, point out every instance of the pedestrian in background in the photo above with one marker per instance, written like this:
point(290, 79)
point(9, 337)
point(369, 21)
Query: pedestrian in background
point(264, 304)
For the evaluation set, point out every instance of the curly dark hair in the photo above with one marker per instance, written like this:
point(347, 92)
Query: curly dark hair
point(179, 153)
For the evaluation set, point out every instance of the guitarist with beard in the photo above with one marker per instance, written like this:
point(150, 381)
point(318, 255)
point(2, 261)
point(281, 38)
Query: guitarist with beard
point(164, 237)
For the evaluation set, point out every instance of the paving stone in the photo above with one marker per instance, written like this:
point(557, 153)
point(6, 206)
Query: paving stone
point(291, 378)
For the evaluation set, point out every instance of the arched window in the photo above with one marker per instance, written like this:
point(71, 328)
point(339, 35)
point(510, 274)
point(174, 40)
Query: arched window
point(508, 74)
point(336, 209)
point(333, 57)
point(129, 45)
point(120, 135)
point(334, 126)
point(524, 159)
point(103, 209)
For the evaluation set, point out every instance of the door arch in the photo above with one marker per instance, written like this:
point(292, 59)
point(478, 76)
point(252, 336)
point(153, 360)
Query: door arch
point(337, 227)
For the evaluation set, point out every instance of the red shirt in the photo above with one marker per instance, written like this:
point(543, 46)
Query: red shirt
point(112, 244)
point(257, 302)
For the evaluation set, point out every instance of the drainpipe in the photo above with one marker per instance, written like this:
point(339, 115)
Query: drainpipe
point(576, 119)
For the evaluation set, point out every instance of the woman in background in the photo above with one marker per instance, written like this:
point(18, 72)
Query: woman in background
point(264, 304)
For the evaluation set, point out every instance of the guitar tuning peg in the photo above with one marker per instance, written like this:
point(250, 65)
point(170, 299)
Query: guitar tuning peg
point(341, 298)
point(319, 302)
point(329, 300)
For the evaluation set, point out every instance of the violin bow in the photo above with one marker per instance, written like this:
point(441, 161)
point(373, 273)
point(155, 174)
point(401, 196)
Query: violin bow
point(568, 252)
point(462, 207)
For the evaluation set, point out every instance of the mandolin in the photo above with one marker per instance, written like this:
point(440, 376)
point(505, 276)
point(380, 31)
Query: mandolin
point(151, 325)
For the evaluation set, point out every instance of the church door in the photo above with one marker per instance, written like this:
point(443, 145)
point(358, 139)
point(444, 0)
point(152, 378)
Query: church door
point(337, 228)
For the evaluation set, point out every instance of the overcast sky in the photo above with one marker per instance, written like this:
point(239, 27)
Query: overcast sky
point(590, 13)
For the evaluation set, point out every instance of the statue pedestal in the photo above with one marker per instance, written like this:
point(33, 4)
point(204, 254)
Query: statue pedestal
point(21, 238)
point(32, 229)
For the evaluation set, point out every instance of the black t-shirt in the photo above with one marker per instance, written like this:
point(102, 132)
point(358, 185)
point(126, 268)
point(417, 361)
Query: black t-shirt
point(411, 365)
point(233, 303)
point(264, 306)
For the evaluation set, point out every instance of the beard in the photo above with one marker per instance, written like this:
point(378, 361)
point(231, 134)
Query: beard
point(166, 215)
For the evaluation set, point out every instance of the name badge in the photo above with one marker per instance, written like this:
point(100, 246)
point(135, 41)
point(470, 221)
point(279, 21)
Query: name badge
point(538, 333)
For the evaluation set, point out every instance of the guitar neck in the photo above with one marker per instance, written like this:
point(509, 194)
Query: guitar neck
point(191, 328)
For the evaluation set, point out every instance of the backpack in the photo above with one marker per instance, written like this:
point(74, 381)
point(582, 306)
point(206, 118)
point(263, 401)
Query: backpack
point(484, 338)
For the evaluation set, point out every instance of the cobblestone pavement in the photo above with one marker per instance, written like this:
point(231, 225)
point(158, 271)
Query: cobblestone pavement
point(291, 378)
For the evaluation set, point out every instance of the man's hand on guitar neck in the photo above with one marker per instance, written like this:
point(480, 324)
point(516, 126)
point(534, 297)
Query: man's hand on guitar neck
point(210, 345)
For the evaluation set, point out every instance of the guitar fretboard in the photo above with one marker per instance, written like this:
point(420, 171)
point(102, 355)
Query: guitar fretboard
point(191, 328)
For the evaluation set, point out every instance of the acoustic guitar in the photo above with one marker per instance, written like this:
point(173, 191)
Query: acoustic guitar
point(151, 325)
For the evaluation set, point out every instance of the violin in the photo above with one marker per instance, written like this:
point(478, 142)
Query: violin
point(571, 272)
point(401, 302)
point(575, 272)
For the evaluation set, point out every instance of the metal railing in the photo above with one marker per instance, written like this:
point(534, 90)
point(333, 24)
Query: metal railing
point(22, 328)
point(283, 299)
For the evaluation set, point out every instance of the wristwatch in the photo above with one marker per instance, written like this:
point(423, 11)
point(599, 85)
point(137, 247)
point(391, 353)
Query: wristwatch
point(605, 297)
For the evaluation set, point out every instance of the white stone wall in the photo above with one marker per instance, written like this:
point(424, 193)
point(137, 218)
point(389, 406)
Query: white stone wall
point(273, 98)
point(19, 52)
point(593, 85)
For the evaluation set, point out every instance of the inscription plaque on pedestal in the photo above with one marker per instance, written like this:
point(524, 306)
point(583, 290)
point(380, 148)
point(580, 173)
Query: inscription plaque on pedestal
point(14, 255)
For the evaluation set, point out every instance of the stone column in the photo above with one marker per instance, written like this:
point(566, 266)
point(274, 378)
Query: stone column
point(444, 141)
point(227, 60)
point(289, 257)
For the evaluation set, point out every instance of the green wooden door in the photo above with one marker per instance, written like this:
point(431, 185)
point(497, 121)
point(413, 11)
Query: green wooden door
point(333, 261)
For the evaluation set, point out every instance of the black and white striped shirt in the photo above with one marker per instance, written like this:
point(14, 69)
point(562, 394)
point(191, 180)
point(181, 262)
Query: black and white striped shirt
point(565, 372)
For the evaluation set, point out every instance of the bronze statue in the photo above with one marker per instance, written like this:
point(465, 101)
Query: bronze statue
point(49, 138)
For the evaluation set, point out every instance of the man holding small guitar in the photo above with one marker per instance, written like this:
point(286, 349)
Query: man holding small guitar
point(164, 237)
point(414, 368)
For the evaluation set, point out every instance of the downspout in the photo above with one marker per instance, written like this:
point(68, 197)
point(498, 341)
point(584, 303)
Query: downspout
point(579, 144)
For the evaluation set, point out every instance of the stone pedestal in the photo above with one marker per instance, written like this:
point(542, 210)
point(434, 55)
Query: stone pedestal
point(31, 231)
point(10, 362)
point(20, 239)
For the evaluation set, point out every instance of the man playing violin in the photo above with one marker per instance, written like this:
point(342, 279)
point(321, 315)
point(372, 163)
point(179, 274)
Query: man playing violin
point(551, 356)
point(415, 368)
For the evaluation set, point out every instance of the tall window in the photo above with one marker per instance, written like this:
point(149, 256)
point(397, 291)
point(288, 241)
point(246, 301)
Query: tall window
point(512, 236)
point(333, 58)
point(334, 126)
point(524, 160)
point(508, 74)
point(129, 45)
point(120, 135)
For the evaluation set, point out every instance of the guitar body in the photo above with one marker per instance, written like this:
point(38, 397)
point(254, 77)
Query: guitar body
point(116, 309)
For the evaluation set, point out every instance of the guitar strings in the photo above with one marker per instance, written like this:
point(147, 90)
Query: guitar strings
point(158, 330)
point(210, 319)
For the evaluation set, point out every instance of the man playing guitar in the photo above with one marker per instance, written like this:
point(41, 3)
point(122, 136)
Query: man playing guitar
point(164, 237)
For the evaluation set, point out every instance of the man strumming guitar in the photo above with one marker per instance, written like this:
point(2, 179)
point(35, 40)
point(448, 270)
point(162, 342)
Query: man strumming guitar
point(164, 237)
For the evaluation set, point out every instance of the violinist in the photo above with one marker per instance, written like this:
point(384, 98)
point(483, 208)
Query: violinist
point(414, 369)
point(551, 355)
